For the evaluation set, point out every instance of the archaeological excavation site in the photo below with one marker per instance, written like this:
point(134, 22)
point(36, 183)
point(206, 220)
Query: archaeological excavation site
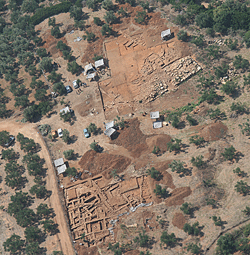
point(94, 207)
point(125, 127)
point(143, 67)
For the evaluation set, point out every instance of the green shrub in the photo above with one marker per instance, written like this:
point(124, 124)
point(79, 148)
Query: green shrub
point(141, 17)
point(181, 20)
point(50, 226)
point(246, 79)
point(186, 208)
point(211, 201)
point(192, 229)
point(106, 30)
point(198, 162)
point(44, 13)
point(229, 153)
point(142, 239)
point(182, 36)
point(110, 17)
point(242, 187)
point(239, 108)
point(97, 21)
point(230, 44)
point(197, 140)
point(204, 20)
point(246, 211)
point(247, 39)
point(156, 150)
point(92, 128)
point(8, 154)
point(71, 171)
point(229, 88)
point(66, 136)
point(239, 172)
point(217, 221)
point(123, 12)
point(213, 51)
point(209, 96)
point(159, 191)
point(210, 31)
point(221, 71)
point(13, 244)
point(154, 173)
point(245, 128)
point(39, 190)
point(73, 67)
point(216, 114)
point(4, 137)
point(226, 244)
point(177, 166)
point(168, 239)
point(191, 120)
point(115, 248)
point(44, 129)
point(94, 146)
point(107, 5)
point(92, 4)
point(241, 63)
point(55, 31)
point(89, 36)
point(174, 145)
point(68, 154)
point(198, 40)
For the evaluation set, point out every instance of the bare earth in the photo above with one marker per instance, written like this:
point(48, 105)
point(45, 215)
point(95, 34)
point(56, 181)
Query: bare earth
point(62, 238)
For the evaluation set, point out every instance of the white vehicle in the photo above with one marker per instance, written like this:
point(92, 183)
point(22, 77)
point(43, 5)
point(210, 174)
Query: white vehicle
point(60, 132)
point(75, 84)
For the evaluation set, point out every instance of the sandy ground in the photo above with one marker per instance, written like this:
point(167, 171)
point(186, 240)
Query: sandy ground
point(88, 108)
point(29, 130)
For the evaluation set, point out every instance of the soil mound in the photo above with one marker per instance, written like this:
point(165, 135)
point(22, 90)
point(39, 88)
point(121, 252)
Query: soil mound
point(178, 195)
point(132, 138)
point(179, 220)
point(97, 163)
point(166, 177)
point(214, 131)
point(160, 141)
point(50, 44)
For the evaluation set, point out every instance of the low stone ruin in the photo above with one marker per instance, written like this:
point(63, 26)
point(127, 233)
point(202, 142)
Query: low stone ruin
point(168, 77)
point(95, 206)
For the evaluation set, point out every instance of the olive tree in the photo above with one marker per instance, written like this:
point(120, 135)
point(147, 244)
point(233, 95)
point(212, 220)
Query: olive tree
point(46, 64)
point(13, 244)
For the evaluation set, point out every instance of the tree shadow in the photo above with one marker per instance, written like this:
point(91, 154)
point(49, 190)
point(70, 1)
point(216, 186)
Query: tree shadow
point(115, 135)
point(55, 230)
point(238, 156)
point(188, 172)
point(181, 125)
point(43, 250)
point(115, 33)
point(85, 16)
point(224, 222)
point(22, 184)
point(98, 131)
point(237, 93)
point(76, 156)
point(193, 210)
point(73, 139)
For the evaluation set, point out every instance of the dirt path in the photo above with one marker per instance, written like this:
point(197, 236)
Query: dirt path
point(51, 182)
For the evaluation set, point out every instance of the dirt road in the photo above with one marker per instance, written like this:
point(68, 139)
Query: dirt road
point(51, 182)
